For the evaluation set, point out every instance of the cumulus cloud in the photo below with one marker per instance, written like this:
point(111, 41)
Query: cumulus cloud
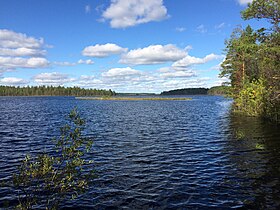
point(190, 60)
point(89, 81)
point(153, 54)
point(53, 78)
point(103, 50)
point(244, 2)
point(178, 74)
point(119, 79)
point(121, 72)
point(185, 83)
point(164, 69)
point(131, 80)
point(123, 78)
point(123, 13)
point(66, 63)
point(88, 61)
point(13, 81)
point(22, 51)
point(20, 62)
point(11, 39)
point(171, 72)
point(18, 50)
point(220, 81)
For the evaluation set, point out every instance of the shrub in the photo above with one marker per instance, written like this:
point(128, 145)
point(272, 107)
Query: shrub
point(46, 180)
point(252, 98)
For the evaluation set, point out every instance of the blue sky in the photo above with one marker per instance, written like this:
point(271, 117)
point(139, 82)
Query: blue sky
point(123, 45)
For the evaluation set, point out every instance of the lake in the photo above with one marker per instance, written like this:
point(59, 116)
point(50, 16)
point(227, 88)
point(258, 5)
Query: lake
point(153, 154)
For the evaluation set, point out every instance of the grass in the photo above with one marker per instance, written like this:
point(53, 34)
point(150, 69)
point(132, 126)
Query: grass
point(133, 99)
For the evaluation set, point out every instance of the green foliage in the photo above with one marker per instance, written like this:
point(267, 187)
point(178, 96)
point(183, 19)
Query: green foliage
point(260, 9)
point(46, 180)
point(252, 98)
point(252, 63)
point(52, 91)
point(260, 146)
point(240, 62)
point(220, 90)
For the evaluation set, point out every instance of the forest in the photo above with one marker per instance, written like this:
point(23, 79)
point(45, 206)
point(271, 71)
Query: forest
point(186, 91)
point(252, 62)
point(220, 90)
point(52, 91)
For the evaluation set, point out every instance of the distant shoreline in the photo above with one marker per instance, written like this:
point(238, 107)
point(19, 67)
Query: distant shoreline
point(47, 91)
point(133, 99)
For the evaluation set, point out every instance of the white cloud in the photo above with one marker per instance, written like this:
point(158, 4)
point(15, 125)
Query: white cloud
point(103, 50)
point(220, 26)
point(132, 80)
point(20, 62)
point(171, 72)
point(88, 61)
point(190, 60)
point(17, 50)
point(13, 81)
point(178, 74)
point(89, 81)
point(124, 13)
point(22, 51)
point(11, 39)
point(53, 78)
point(37, 62)
point(121, 72)
point(184, 83)
point(220, 81)
point(180, 29)
point(64, 63)
point(129, 79)
point(120, 79)
point(217, 67)
point(244, 2)
point(164, 69)
point(153, 54)
point(87, 9)
point(201, 29)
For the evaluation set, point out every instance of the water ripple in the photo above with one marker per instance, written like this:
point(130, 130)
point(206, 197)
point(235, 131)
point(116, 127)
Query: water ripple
point(152, 154)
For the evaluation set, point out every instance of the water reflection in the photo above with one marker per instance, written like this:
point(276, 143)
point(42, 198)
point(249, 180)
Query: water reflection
point(254, 148)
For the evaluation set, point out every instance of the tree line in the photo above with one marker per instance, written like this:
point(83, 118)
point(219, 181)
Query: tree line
point(252, 62)
point(52, 91)
point(186, 91)
point(220, 90)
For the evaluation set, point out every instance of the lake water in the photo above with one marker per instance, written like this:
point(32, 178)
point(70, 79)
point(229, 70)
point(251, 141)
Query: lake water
point(153, 154)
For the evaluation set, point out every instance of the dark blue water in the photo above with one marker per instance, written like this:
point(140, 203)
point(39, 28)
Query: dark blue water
point(153, 154)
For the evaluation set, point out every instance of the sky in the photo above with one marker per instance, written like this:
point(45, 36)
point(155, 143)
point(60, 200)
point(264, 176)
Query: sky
point(125, 45)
